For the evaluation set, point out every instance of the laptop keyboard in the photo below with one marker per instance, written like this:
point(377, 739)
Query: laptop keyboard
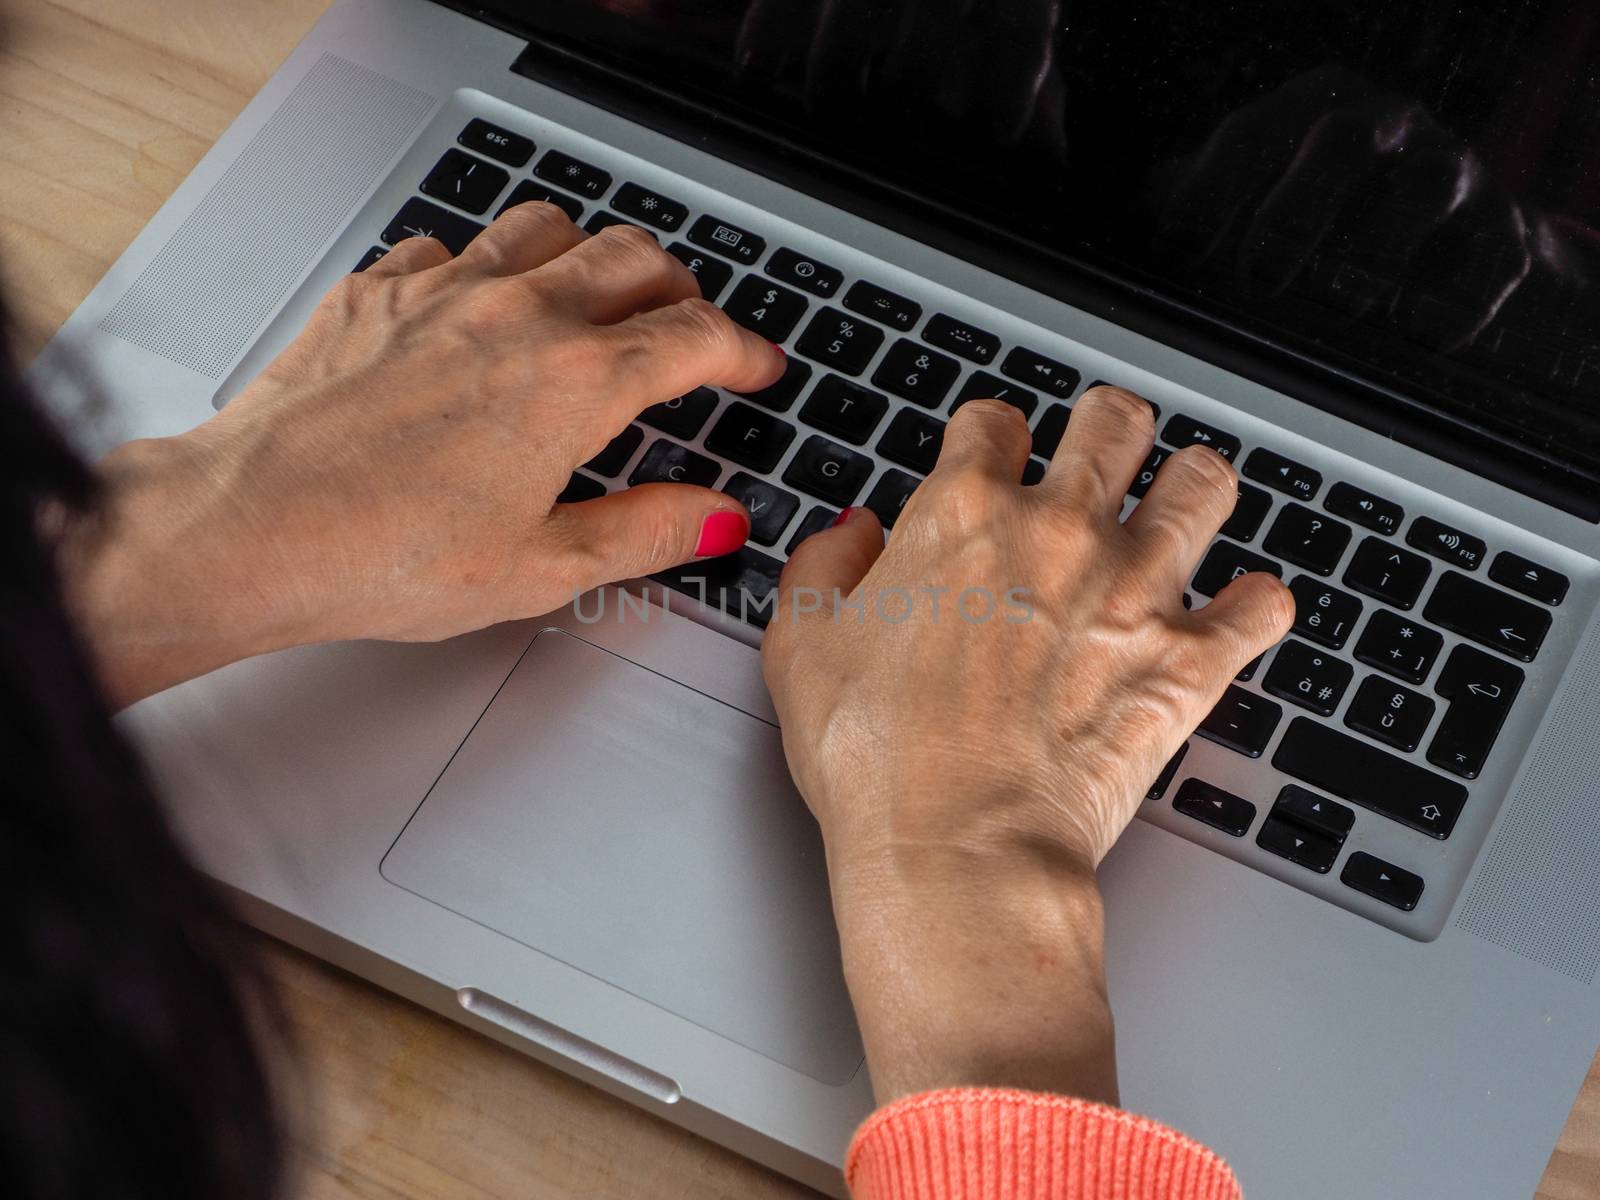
point(1383, 705)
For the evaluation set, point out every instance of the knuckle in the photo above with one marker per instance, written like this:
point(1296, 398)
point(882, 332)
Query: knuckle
point(705, 322)
point(1208, 468)
point(632, 244)
point(1122, 406)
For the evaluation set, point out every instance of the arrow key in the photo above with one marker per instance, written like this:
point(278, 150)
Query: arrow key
point(1317, 813)
point(1298, 844)
point(1382, 881)
point(1217, 808)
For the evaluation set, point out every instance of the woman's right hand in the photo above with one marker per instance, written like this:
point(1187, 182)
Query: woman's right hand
point(970, 763)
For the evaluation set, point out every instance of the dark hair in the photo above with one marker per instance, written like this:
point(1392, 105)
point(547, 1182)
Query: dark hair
point(128, 1065)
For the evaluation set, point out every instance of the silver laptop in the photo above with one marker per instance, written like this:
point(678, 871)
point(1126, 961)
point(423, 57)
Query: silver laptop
point(1354, 937)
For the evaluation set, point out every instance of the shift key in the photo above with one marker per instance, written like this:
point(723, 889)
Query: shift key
point(1359, 772)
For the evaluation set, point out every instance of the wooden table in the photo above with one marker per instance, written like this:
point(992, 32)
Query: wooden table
point(105, 105)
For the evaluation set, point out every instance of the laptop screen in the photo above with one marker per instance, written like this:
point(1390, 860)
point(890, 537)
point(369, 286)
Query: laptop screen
point(1408, 193)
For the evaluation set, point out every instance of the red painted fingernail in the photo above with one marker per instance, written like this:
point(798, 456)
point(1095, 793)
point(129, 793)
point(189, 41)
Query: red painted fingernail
point(781, 351)
point(722, 533)
point(843, 517)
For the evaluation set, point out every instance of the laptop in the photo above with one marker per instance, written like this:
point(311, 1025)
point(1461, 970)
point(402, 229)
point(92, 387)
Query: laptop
point(1354, 934)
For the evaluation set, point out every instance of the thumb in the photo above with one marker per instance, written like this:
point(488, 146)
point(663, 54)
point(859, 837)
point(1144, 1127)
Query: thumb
point(647, 528)
point(836, 559)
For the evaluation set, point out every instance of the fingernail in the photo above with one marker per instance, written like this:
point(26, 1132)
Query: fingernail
point(844, 516)
point(722, 533)
point(781, 351)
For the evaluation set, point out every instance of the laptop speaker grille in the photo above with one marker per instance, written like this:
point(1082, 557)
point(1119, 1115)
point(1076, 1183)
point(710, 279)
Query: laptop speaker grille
point(1537, 891)
point(209, 290)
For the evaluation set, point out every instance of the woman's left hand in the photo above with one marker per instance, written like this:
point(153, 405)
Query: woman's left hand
point(395, 472)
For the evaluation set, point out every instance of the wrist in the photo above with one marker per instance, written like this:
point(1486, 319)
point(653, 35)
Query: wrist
point(166, 577)
point(978, 968)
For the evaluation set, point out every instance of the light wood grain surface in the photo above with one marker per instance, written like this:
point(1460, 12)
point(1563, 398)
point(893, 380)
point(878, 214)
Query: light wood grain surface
point(105, 105)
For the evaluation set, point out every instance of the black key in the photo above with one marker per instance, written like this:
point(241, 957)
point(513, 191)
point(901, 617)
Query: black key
point(1480, 689)
point(418, 218)
point(1248, 512)
point(958, 337)
point(1034, 369)
point(1184, 431)
point(1242, 721)
point(1528, 577)
point(1385, 572)
point(916, 373)
point(527, 191)
point(981, 385)
point(1308, 539)
point(712, 273)
point(464, 181)
point(1308, 677)
point(780, 396)
point(729, 240)
point(1146, 477)
point(883, 305)
point(1282, 474)
point(1298, 844)
point(668, 462)
point(1440, 540)
point(1359, 772)
point(573, 174)
point(1488, 616)
point(605, 220)
point(765, 308)
point(580, 488)
point(1224, 563)
point(1399, 645)
point(1394, 715)
point(828, 471)
point(839, 340)
point(650, 207)
point(793, 267)
point(370, 257)
point(743, 584)
point(1382, 881)
point(1315, 812)
point(750, 437)
point(1364, 508)
point(846, 410)
point(1217, 808)
point(1323, 614)
point(1169, 772)
point(1032, 472)
point(889, 495)
point(818, 519)
point(912, 440)
point(618, 451)
point(510, 148)
point(682, 416)
point(771, 508)
point(1052, 427)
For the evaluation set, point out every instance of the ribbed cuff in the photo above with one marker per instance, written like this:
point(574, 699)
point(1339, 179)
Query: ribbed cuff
point(993, 1144)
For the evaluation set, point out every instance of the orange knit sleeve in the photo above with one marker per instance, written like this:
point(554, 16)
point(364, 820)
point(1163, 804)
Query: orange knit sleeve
point(983, 1144)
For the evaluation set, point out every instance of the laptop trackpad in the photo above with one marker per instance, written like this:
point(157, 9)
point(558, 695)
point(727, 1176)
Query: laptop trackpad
point(648, 835)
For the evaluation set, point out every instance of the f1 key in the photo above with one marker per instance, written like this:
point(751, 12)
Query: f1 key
point(1488, 616)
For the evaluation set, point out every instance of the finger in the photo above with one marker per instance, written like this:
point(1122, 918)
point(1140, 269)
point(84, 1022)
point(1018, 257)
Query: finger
point(671, 351)
point(410, 256)
point(833, 562)
point(1106, 443)
point(987, 436)
point(647, 528)
point(620, 271)
point(1194, 493)
point(1247, 618)
point(522, 239)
